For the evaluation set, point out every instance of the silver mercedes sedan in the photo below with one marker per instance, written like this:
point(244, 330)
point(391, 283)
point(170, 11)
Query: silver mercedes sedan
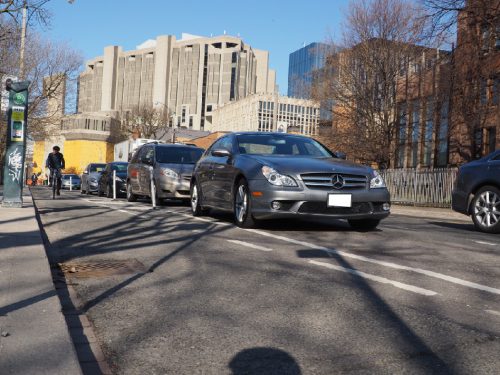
point(259, 176)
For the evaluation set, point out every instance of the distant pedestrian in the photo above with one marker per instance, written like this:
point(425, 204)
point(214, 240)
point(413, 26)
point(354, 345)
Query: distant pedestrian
point(34, 179)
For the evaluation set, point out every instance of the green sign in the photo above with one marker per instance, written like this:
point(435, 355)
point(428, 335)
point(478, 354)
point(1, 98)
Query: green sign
point(19, 99)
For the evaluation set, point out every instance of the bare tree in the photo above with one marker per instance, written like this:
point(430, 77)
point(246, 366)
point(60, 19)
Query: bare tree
point(146, 121)
point(380, 38)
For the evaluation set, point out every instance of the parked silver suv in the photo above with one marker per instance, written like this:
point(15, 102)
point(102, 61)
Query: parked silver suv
point(169, 165)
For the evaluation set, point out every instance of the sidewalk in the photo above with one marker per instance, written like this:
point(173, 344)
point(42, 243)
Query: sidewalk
point(34, 336)
point(445, 214)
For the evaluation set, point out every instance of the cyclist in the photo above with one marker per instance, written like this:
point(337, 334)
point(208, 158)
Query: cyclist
point(55, 162)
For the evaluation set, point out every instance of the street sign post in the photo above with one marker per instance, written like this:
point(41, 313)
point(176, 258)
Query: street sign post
point(17, 122)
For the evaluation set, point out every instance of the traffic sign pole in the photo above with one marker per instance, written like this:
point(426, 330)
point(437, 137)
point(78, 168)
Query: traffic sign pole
point(17, 126)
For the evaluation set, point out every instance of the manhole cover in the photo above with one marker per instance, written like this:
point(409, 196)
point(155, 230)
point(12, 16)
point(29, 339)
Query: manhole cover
point(102, 268)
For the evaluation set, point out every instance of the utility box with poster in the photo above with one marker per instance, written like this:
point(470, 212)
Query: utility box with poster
point(17, 116)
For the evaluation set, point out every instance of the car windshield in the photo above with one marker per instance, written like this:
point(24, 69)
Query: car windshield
point(276, 144)
point(119, 167)
point(67, 176)
point(97, 168)
point(178, 155)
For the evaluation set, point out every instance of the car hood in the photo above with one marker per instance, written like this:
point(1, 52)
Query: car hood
point(179, 168)
point(299, 165)
point(94, 174)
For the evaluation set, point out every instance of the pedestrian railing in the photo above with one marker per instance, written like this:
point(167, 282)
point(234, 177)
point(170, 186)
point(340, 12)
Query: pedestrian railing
point(420, 187)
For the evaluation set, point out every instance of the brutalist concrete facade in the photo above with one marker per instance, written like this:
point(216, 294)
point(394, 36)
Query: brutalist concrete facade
point(191, 77)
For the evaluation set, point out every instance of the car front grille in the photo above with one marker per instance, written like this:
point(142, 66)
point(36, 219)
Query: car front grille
point(186, 177)
point(323, 209)
point(326, 181)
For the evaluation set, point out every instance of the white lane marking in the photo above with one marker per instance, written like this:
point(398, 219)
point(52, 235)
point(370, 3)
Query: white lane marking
point(486, 243)
point(251, 245)
point(493, 312)
point(383, 280)
point(436, 275)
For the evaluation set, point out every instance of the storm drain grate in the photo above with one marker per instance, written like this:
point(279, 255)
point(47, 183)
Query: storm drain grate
point(102, 268)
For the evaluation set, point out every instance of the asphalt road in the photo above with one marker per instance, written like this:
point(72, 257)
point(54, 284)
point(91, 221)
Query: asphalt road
point(416, 296)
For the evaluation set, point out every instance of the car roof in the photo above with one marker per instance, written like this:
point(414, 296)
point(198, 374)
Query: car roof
point(269, 133)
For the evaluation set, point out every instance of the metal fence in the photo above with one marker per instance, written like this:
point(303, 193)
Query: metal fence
point(423, 187)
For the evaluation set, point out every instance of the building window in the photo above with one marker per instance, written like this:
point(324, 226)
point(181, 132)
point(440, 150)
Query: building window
point(491, 139)
point(483, 89)
point(209, 108)
point(183, 119)
point(429, 130)
point(478, 143)
point(442, 147)
point(190, 122)
point(233, 83)
point(485, 38)
point(495, 95)
point(401, 136)
point(415, 132)
point(234, 57)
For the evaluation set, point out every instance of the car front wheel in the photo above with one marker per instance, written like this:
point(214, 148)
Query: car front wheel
point(242, 206)
point(196, 207)
point(486, 209)
point(364, 224)
point(131, 197)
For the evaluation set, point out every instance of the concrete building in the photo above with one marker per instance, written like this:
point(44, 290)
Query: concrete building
point(190, 76)
point(268, 113)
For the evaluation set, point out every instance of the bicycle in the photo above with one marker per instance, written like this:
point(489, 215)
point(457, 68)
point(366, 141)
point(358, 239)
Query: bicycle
point(55, 176)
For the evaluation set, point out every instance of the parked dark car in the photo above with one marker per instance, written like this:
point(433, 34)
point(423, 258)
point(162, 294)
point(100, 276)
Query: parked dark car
point(275, 175)
point(72, 180)
point(90, 177)
point(477, 192)
point(170, 166)
point(105, 183)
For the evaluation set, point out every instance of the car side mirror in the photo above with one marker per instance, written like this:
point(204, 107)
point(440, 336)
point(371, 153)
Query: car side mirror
point(341, 155)
point(221, 153)
point(85, 172)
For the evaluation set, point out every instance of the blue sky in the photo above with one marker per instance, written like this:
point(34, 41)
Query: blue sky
point(280, 27)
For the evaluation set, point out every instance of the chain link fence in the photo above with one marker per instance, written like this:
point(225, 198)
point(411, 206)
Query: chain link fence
point(422, 187)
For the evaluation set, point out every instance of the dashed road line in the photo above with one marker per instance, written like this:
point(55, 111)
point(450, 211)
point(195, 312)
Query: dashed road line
point(250, 245)
point(437, 275)
point(383, 280)
point(486, 243)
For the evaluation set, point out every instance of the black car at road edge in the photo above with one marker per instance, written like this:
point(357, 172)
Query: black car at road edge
point(105, 183)
point(477, 192)
point(257, 175)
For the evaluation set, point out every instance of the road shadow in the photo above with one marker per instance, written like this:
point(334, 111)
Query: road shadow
point(459, 226)
point(422, 354)
point(264, 361)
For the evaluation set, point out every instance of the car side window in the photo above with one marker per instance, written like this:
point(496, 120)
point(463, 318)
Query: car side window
point(150, 153)
point(496, 158)
point(219, 144)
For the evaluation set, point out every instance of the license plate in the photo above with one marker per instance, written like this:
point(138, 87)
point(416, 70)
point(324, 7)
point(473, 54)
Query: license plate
point(339, 200)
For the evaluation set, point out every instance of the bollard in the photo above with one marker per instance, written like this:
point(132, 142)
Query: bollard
point(114, 185)
point(70, 183)
point(153, 189)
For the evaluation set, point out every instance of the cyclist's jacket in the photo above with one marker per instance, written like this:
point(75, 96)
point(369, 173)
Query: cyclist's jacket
point(55, 161)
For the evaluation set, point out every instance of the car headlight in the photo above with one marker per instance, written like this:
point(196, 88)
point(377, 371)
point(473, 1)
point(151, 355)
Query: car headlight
point(118, 179)
point(93, 180)
point(167, 172)
point(277, 179)
point(377, 181)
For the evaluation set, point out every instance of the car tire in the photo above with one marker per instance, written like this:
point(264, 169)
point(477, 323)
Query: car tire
point(364, 224)
point(88, 189)
point(242, 206)
point(131, 197)
point(196, 201)
point(109, 191)
point(485, 209)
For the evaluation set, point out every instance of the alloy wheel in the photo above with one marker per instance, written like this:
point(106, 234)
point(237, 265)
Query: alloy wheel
point(487, 209)
point(194, 198)
point(241, 203)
